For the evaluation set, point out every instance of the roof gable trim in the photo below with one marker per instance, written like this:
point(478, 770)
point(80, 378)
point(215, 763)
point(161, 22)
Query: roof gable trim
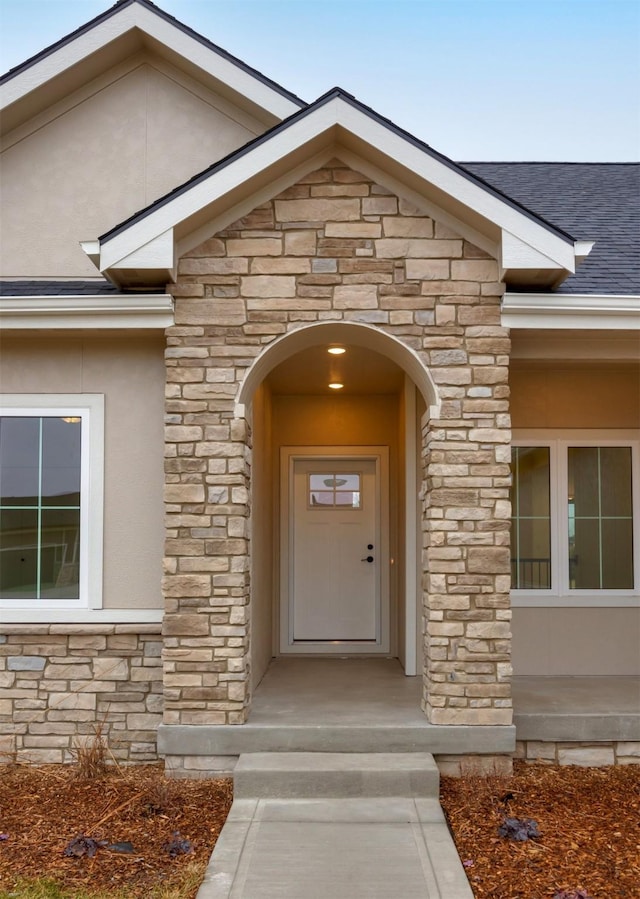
point(144, 16)
point(338, 119)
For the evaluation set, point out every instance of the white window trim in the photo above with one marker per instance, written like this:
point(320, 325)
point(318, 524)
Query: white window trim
point(559, 595)
point(91, 408)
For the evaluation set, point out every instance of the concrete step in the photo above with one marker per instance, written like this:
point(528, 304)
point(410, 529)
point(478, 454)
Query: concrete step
point(345, 775)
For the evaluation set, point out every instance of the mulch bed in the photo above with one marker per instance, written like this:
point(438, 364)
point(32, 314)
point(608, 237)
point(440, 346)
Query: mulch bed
point(589, 823)
point(588, 818)
point(42, 809)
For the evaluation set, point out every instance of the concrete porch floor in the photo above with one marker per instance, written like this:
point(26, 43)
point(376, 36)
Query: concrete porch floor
point(375, 693)
point(368, 705)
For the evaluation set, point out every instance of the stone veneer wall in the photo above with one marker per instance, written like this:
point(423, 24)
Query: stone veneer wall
point(336, 247)
point(60, 681)
point(584, 753)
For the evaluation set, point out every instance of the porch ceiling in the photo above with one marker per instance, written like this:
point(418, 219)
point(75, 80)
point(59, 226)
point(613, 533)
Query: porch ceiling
point(362, 371)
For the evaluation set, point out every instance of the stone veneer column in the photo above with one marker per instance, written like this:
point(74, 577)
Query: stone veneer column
point(337, 247)
point(466, 520)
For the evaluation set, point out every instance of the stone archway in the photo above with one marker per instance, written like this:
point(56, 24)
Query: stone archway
point(381, 405)
point(358, 334)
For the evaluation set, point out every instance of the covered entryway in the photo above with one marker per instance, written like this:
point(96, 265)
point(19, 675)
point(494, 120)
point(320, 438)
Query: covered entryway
point(335, 505)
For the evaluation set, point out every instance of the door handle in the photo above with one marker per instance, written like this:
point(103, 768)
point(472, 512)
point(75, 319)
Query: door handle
point(367, 559)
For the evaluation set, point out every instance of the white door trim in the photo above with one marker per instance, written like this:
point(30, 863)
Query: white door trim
point(288, 456)
point(411, 551)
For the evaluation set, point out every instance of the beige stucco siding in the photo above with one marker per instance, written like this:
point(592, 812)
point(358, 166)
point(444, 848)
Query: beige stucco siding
point(576, 396)
point(97, 158)
point(567, 641)
point(129, 371)
point(344, 420)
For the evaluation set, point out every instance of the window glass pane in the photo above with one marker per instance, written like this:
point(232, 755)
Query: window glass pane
point(583, 480)
point(531, 522)
point(61, 461)
point(40, 468)
point(617, 554)
point(533, 480)
point(584, 554)
point(18, 553)
point(534, 556)
point(615, 472)
point(19, 460)
point(600, 518)
point(335, 490)
point(60, 554)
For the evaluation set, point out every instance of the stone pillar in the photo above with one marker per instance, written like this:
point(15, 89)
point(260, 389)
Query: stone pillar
point(206, 581)
point(466, 514)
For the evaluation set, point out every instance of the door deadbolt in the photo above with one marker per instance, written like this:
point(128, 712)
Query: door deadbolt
point(367, 559)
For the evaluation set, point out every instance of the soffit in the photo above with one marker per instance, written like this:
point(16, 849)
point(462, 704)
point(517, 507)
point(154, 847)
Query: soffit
point(362, 371)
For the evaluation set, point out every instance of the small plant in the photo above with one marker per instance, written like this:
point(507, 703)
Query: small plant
point(520, 830)
point(90, 757)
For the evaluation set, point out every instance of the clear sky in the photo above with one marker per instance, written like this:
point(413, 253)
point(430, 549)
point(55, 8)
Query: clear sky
point(476, 79)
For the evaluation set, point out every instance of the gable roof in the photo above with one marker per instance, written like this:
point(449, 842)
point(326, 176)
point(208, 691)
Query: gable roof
point(528, 247)
point(131, 25)
point(599, 201)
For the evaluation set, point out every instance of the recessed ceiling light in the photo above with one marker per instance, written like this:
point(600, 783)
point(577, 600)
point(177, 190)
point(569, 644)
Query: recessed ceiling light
point(336, 385)
point(336, 350)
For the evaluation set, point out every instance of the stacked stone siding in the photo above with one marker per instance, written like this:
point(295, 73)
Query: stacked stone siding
point(338, 248)
point(585, 754)
point(60, 682)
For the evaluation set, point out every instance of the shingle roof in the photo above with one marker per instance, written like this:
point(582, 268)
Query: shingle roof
point(56, 288)
point(592, 201)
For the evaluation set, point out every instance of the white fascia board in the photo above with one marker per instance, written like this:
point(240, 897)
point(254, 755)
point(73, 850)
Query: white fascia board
point(92, 249)
point(91, 312)
point(337, 112)
point(158, 253)
point(137, 16)
point(611, 312)
point(516, 254)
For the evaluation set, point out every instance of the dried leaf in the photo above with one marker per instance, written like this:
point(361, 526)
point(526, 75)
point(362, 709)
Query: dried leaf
point(519, 829)
point(125, 846)
point(83, 845)
point(177, 846)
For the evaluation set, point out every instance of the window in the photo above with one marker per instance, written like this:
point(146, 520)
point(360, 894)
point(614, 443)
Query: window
point(51, 501)
point(335, 491)
point(573, 530)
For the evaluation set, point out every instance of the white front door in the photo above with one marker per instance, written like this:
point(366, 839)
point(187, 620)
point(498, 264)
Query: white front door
point(335, 559)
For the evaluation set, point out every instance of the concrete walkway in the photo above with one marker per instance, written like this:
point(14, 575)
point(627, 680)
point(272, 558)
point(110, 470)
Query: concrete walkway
point(301, 845)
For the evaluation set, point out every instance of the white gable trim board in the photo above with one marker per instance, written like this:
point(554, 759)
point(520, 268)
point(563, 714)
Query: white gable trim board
point(139, 17)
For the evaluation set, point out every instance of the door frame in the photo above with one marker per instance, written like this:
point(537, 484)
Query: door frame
point(289, 455)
